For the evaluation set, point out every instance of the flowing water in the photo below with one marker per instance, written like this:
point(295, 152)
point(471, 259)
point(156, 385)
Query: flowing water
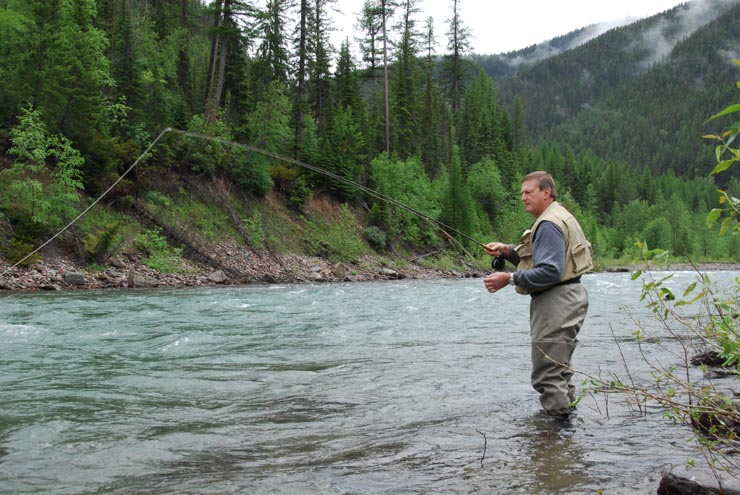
point(397, 387)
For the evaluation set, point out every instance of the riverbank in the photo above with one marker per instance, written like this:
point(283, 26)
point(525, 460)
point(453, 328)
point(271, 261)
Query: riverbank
point(236, 267)
point(239, 266)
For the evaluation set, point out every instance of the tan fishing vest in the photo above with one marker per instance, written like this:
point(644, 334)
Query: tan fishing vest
point(578, 257)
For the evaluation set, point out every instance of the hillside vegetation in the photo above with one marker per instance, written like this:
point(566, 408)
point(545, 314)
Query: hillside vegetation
point(252, 94)
point(638, 94)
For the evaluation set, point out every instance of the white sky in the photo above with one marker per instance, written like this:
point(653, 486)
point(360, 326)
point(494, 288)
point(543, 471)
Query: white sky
point(498, 26)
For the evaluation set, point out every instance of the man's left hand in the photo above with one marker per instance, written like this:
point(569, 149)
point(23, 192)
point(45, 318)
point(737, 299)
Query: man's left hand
point(496, 281)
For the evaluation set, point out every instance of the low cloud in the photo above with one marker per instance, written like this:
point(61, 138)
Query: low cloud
point(660, 39)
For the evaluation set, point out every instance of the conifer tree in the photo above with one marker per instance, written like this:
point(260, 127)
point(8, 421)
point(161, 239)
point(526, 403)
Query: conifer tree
point(66, 74)
point(301, 107)
point(319, 27)
point(386, 8)
point(455, 68)
point(405, 96)
point(371, 26)
point(480, 129)
point(458, 210)
point(432, 147)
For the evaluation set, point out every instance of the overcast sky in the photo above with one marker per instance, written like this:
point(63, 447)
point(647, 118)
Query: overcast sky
point(498, 26)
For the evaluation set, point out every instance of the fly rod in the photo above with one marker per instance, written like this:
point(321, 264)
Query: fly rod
point(340, 178)
point(133, 166)
point(441, 225)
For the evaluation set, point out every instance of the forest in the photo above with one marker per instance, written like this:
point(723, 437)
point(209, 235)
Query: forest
point(87, 85)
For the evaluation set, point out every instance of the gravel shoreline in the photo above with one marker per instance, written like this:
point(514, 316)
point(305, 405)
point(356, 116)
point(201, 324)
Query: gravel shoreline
point(238, 266)
point(235, 267)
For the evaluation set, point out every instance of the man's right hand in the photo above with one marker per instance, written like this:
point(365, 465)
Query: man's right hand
point(497, 249)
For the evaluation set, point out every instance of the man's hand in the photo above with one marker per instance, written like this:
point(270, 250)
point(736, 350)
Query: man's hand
point(496, 281)
point(497, 249)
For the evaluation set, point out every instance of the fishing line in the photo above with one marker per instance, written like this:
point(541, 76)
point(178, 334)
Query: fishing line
point(443, 226)
point(340, 178)
point(133, 165)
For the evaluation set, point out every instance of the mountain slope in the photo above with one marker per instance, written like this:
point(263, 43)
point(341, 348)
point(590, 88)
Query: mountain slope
point(639, 93)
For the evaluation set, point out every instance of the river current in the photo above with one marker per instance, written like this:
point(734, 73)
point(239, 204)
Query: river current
point(359, 388)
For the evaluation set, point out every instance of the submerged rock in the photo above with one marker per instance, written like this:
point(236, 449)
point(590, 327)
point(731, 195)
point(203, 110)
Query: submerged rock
point(670, 484)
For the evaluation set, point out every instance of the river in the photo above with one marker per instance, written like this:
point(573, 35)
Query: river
point(358, 388)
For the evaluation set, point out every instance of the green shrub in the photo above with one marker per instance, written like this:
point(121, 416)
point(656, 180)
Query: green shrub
point(253, 175)
point(158, 199)
point(44, 181)
point(19, 249)
point(98, 246)
point(150, 242)
point(376, 237)
point(300, 195)
point(162, 257)
point(255, 230)
point(338, 241)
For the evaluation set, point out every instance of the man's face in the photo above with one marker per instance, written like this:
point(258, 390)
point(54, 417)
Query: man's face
point(535, 199)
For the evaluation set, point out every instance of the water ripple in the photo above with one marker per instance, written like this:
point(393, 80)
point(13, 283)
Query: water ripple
point(397, 387)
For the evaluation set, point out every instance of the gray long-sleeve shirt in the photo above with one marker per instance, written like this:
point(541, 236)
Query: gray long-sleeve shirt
point(548, 252)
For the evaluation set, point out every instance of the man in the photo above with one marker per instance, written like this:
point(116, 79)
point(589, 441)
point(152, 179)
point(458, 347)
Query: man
point(550, 259)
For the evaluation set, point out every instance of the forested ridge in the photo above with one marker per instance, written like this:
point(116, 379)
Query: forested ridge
point(86, 86)
point(637, 94)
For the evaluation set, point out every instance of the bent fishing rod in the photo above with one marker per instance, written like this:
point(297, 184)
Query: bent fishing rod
point(441, 225)
point(327, 173)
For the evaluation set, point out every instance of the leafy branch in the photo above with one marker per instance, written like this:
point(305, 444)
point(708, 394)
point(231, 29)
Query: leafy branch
point(726, 156)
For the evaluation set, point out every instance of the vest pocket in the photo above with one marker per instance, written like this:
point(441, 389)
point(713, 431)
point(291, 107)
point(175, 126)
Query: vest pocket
point(524, 249)
point(582, 258)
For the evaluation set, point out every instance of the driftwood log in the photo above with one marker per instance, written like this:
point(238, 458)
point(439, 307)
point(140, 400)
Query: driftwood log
point(670, 484)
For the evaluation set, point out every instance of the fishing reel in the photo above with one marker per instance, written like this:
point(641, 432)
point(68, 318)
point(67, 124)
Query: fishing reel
point(498, 263)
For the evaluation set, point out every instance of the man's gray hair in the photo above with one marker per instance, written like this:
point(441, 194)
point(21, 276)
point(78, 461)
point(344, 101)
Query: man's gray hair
point(544, 180)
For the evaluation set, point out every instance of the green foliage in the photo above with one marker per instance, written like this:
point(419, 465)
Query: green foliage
point(268, 128)
point(160, 256)
point(220, 156)
point(181, 208)
point(105, 157)
point(44, 181)
point(254, 227)
point(616, 94)
point(300, 194)
point(406, 182)
point(205, 155)
point(658, 233)
point(14, 32)
point(487, 187)
point(375, 237)
point(70, 76)
point(726, 156)
point(458, 210)
point(344, 152)
point(107, 76)
point(446, 261)
point(19, 249)
point(337, 241)
point(104, 233)
point(159, 200)
point(98, 245)
point(482, 122)
point(254, 176)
